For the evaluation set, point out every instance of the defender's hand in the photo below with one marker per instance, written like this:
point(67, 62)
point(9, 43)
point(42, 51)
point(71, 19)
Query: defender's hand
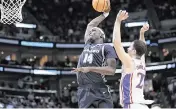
point(109, 6)
point(145, 28)
point(122, 15)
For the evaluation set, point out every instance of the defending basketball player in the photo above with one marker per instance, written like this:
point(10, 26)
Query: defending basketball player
point(133, 67)
point(96, 61)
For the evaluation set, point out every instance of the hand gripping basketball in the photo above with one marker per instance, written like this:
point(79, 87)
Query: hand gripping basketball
point(101, 5)
point(108, 9)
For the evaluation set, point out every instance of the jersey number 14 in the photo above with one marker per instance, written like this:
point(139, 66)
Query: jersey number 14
point(88, 58)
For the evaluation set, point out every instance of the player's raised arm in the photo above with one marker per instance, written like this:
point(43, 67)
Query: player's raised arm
point(95, 22)
point(123, 56)
point(142, 37)
point(142, 32)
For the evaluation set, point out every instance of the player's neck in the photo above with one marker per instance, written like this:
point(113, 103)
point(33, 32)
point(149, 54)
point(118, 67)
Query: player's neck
point(98, 42)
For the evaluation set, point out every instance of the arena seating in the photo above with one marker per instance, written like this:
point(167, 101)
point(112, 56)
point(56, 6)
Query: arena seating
point(67, 20)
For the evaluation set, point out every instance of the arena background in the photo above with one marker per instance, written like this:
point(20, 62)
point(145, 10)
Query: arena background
point(36, 56)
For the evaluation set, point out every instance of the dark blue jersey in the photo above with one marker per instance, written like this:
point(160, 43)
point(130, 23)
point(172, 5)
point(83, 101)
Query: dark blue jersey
point(94, 55)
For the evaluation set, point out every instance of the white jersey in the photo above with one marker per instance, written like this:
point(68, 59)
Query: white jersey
point(131, 85)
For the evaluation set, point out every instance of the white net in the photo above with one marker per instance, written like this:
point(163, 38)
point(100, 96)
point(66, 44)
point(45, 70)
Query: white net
point(11, 11)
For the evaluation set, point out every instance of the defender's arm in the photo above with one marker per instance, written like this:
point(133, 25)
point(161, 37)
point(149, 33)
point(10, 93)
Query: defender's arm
point(123, 56)
point(142, 38)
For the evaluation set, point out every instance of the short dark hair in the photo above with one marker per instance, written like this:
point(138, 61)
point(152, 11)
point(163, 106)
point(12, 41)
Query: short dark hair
point(140, 47)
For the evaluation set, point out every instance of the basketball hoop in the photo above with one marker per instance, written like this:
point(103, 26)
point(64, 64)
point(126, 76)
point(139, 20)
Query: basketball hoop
point(11, 11)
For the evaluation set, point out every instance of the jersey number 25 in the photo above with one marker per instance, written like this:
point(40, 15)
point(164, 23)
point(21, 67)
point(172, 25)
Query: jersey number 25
point(88, 58)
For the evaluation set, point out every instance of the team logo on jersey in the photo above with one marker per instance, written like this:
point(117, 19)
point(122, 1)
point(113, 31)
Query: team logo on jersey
point(91, 51)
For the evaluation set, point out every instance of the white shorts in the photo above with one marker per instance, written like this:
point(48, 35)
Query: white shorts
point(136, 106)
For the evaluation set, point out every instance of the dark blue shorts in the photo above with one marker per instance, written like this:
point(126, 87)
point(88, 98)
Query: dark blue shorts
point(90, 96)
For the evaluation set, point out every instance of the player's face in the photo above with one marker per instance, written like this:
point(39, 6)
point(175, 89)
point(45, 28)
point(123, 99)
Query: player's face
point(95, 33)
point(131, 50)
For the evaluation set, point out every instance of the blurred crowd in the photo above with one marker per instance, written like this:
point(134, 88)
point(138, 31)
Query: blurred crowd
point(68, 62)
point(166, 9)
point(32, 101)
point(67, 20)
point(163, 92)
point(69, 23)
point(35, 62)
point(172, 91)
point(30, 93)
point(10, 101)
point(167, 56)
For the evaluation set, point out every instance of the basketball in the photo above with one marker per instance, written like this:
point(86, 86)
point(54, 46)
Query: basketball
point(100, 5)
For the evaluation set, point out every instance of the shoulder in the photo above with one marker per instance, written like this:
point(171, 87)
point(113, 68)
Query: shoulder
point(109, 51)
point(108, 47)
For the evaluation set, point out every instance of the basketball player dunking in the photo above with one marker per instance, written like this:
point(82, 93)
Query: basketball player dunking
point(133, 67)
point(96, 61)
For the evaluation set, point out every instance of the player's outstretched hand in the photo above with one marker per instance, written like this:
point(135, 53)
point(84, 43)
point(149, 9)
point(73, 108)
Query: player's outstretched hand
point(145, 28)
point(109, 6)
point(122, 15)
point(81, 69)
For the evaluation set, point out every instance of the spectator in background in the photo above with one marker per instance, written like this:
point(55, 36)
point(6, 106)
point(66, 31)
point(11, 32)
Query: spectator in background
point(74, 99)
point(167, 55)
point(30, 96)
point(174, 55)
point(20, 84)
point(155, 58)
point(67, 62)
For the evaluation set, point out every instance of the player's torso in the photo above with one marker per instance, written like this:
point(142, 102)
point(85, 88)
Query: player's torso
point(92, 55)
point(131, 85)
